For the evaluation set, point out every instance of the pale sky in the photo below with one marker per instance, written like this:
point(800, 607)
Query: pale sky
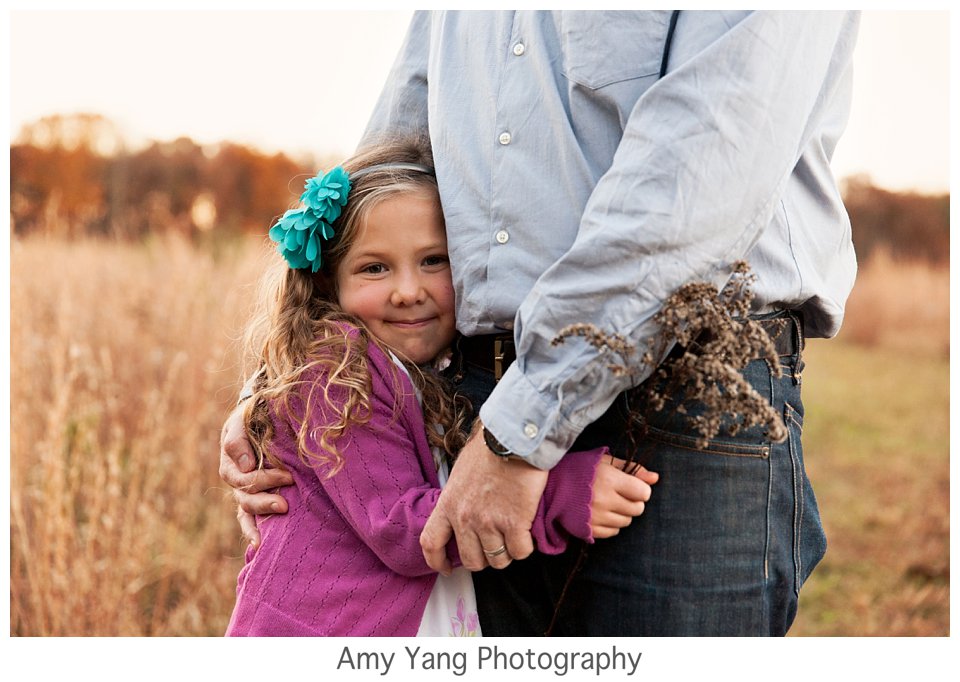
point(298, 81)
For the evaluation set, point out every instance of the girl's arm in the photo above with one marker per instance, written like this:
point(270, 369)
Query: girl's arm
point(588, 496)
point(388, 485)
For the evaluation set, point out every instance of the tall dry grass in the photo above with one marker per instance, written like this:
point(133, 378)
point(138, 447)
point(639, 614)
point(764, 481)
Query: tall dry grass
point(901, 305)
point(123, 366)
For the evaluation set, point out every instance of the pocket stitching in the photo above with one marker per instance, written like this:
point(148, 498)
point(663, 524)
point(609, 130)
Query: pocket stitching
point(610, 81)
point(792, 416)
point(713, 448)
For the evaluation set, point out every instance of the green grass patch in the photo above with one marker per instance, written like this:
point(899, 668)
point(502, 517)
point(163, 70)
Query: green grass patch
point(876, 445)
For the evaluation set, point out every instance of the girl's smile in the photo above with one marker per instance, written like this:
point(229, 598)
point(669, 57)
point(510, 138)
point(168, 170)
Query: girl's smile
point(411, 323)
point(396, 276)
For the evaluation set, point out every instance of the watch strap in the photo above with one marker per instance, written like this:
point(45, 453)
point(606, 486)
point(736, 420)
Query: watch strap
point(495, 446)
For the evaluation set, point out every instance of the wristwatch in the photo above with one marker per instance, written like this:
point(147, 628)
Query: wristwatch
point(496, 447)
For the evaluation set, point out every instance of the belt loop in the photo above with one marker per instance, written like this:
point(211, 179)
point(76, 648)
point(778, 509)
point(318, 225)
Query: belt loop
point(498, 357)
point(797, 319)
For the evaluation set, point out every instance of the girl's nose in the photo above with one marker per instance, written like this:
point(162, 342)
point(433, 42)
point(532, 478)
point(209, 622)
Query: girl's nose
point(409, 290)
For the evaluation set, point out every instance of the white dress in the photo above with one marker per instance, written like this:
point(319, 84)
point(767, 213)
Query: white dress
point(452, 607)
point(451, 610)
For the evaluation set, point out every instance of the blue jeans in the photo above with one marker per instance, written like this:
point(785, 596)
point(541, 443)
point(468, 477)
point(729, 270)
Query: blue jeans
point(728, 537)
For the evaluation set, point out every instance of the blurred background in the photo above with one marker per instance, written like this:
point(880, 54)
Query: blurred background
point(150, 151)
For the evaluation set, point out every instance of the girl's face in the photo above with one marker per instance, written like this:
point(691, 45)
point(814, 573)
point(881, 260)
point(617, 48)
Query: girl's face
point(396, 276)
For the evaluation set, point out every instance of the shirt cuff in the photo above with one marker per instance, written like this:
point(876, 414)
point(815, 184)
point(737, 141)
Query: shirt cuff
point(532, 428)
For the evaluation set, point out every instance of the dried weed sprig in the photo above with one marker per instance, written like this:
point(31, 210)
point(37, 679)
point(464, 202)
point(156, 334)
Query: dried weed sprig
point(717, 340)
point(603, 342)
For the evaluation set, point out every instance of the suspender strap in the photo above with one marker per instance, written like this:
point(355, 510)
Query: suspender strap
point(666, 46)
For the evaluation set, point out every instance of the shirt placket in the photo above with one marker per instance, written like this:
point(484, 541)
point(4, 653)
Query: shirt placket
point(510, 103)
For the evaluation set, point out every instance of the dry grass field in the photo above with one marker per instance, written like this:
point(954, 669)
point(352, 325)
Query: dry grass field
point(123, 367)
point(124, 363)
point(877, 448)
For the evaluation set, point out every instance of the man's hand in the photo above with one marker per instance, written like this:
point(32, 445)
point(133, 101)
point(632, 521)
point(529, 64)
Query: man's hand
point(238, 470)
point(488, 503)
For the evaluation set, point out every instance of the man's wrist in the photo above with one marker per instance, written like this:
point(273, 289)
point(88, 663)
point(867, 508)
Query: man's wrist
point(499, 451)
point(495, 446)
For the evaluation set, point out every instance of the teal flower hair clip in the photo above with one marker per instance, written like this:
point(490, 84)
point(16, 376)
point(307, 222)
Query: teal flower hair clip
point(299, 232)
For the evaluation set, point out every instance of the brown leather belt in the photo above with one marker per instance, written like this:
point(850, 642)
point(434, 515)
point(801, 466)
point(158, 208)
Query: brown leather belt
point(495, 352)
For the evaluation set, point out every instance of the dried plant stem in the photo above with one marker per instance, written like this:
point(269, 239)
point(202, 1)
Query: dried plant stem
point(718, 339)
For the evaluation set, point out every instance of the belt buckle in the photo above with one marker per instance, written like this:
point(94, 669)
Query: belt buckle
point(498, 356)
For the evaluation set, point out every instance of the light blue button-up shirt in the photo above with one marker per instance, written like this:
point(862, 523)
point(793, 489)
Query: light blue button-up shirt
point(578, 186)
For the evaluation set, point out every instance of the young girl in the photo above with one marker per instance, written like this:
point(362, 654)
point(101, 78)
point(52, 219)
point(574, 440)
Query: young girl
point(350, 400)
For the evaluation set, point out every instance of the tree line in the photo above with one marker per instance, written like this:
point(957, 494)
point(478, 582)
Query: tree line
point(910, 226)
point(72, 176)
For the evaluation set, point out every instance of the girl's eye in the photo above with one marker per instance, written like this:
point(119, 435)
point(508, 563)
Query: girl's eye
point(435, 260)
point(373, 269)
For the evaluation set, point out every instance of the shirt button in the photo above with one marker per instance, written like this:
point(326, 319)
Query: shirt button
point(505, 138)
point(530, 430)
point(502, 237)
point(519, 49)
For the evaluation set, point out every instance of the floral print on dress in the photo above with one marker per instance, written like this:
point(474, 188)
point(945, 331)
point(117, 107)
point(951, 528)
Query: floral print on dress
point(464, 624)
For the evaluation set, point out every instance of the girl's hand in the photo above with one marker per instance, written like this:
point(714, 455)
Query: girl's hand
point(618, 496)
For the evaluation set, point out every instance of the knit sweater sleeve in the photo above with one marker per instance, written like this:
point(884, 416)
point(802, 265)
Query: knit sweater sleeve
point(564, 509)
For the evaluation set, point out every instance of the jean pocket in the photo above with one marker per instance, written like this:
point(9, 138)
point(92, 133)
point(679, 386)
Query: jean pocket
point(605, 47)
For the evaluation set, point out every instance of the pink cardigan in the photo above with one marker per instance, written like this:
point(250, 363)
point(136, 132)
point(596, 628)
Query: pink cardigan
point(345, 560)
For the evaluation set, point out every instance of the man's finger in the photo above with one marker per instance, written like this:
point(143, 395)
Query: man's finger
point(261, 503)
point(248, 526)
point(241, 456)
point(471, 551)
point(253, 482)
point(267, 479)
point(495, 552)
point(235, 443)
point(519, 543)
point(433, 541)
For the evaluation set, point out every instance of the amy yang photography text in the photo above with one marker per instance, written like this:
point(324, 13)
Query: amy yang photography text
point(488, 659)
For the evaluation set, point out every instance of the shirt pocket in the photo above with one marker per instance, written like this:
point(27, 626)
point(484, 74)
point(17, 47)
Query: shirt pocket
point(605, 47)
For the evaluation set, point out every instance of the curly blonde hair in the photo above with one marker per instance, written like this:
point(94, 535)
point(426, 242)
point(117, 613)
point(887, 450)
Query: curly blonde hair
point(300, 331)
